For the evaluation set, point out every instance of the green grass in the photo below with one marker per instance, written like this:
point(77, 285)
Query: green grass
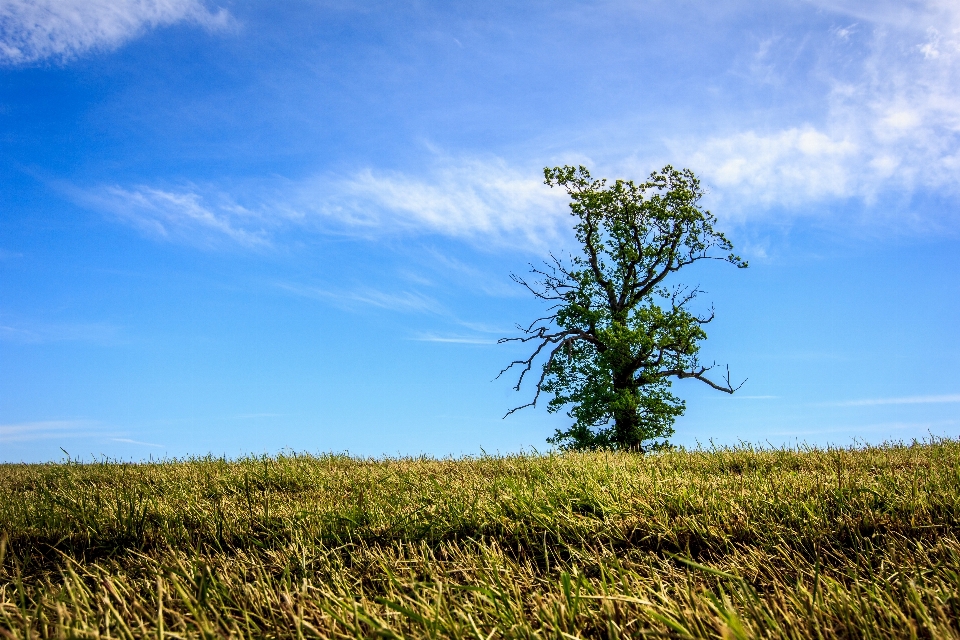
point(728, 543)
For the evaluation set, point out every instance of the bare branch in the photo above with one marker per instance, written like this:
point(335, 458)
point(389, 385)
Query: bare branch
point(561, 340)
point(547, 338)
point(698, 374)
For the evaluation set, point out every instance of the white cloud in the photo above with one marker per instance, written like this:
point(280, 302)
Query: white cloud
point(891, 122)
point(787, 167)
point(32, 30)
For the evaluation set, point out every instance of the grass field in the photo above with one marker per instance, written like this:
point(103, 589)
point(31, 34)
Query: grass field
point(728, 543)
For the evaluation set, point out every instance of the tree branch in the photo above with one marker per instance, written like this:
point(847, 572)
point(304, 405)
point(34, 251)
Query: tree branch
point(562, 339)
point(698, 374)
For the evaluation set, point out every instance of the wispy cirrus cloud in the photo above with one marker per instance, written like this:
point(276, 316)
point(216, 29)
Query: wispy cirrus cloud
point(463, 198)
point(190, 214)
point(32, 30)
point(466, 198)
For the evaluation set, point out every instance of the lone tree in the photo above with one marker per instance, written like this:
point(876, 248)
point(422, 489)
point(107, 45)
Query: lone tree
point(616, 335)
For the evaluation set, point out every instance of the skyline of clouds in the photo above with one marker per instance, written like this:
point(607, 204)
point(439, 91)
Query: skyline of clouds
point(886, 129)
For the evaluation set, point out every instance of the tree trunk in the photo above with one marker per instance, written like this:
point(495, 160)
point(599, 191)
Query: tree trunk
point(625, 430)
point(626, 421)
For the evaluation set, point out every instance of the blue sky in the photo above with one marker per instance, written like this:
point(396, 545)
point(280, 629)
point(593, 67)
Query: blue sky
point(244, 227)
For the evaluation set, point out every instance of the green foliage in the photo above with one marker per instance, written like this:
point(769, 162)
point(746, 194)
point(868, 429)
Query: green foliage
point(617, 335)
point(720, 543)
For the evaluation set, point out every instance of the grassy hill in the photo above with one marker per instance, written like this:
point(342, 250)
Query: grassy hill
point(731, 543)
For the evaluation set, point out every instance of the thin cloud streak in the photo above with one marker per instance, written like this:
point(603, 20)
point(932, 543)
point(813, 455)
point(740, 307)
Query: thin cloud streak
point(49, 429)
point(904, 400)
point(409, 301)
point(871, 428)
point(454, 339)
point(95, 333)
point(145, 444)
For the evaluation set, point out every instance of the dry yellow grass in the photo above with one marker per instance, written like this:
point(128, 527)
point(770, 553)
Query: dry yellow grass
point(737, 543)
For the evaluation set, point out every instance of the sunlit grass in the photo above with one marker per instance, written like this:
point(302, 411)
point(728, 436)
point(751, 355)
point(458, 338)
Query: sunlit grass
point(722, 543)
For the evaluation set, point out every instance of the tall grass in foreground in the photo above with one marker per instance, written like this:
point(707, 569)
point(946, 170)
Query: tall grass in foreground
point(731, 543)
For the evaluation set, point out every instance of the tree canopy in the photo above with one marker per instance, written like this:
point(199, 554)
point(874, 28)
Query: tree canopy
point(617, 333)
